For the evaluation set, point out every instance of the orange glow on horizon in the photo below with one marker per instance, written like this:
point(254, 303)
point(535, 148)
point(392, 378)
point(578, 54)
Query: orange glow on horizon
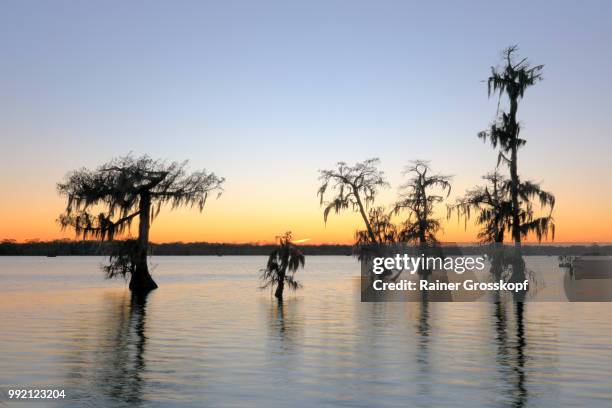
point(230, 220)
point(183, 226)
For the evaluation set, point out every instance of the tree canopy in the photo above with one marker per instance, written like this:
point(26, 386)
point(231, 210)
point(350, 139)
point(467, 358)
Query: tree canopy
point(102, 203)
point(417, 199)
point(493, 206)
point(355, 188)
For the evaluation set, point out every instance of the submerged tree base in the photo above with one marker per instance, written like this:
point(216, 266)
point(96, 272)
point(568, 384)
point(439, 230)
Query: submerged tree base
point(129, 258)
point(142, 283)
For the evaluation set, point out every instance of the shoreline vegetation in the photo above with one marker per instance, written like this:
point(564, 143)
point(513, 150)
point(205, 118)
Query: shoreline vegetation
point(92, 248)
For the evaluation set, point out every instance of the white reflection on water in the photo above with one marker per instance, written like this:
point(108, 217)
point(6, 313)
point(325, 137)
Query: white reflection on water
point(209, 337)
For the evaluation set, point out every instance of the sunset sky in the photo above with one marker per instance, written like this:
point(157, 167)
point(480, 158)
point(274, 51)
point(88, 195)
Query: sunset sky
point(267, 93)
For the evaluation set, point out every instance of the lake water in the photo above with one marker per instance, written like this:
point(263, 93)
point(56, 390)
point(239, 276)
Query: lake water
point(208, 337)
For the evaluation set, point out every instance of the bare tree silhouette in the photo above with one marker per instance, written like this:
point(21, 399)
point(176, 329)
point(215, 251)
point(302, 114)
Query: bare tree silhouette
point(282, 264)
point(355, 187)
point(417, 201)
point(122, 190)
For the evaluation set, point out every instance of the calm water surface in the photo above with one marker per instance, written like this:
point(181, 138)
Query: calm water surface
point(209, 338)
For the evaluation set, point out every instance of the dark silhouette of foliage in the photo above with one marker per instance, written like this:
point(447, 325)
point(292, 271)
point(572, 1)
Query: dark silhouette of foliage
point(384, 229)
point(103, 203)
point(491, 205)
point(528, 192)
point(282, 264)
point(417, 201)
point(355, 188)
point(123, 258)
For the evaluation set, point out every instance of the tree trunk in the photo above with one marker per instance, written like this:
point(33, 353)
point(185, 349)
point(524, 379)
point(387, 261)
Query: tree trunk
point(514, 187)
point(497, 259)
point(423, 231)
point(422, 217)
point(280, 287)
point(422, 214)
point(141, 280)
point(518, 265)
point(365, 217)
point(514, 179)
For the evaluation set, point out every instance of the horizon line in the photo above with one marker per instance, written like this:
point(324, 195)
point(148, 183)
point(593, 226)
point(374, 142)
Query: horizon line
point(264, 243)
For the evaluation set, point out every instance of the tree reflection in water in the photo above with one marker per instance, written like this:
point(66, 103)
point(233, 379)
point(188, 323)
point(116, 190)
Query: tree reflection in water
point(118, 354)
point(511, 354)
point(283, 324)
point(423, 329)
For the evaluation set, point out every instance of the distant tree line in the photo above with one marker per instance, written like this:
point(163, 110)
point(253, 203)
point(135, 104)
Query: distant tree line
point(91, 247)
